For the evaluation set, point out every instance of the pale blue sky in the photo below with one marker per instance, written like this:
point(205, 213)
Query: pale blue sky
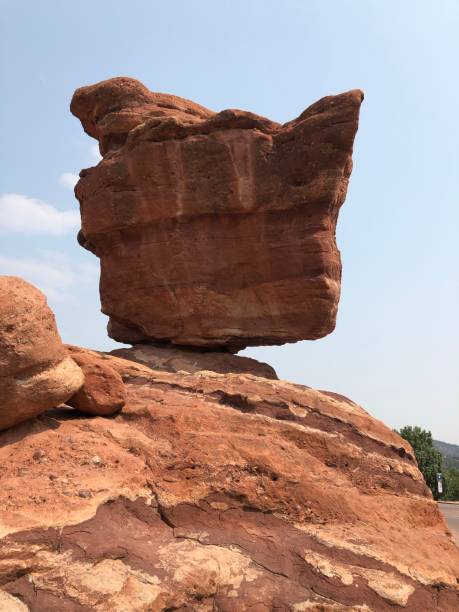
point(395, 348)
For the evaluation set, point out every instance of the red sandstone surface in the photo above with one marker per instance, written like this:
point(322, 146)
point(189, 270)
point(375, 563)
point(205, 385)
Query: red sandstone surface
point(103, 391)
point(173, 359)
point(213, 491)
point(36, 372)
point(214, 229)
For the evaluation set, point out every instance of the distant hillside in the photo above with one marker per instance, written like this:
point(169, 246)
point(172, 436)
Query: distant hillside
point(450, 453)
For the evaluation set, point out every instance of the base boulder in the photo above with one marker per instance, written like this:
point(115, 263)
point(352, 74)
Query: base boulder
point(213, 491)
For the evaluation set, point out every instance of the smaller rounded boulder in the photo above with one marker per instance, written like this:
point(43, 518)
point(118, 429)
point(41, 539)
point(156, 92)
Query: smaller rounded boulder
point(103, 392)
point(36, 373)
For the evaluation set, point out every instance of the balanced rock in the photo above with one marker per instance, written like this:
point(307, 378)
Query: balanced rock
point(220, 492)
point(36, 373)
point(214, 229)
point(103, 391)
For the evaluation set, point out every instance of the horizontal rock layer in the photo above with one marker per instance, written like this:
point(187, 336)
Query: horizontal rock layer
point(214, 229)
point(218, 492)
point(174, 359)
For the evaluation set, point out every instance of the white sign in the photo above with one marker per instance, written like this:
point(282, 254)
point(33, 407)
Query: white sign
point(440, 486)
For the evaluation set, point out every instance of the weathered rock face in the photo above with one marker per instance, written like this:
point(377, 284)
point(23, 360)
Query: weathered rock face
point(103, 392)
point(173, 359)
point(35, 371)
point(214, 229)
point(219, 492)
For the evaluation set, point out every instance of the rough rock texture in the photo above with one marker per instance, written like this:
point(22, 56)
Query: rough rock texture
point(35, 371)
point(219, 492)
point(103, 392)
point(173, 359)
point(218, 227)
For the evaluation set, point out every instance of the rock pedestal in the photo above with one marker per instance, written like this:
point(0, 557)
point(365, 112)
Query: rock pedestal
point(223, 492)
point(173, 359)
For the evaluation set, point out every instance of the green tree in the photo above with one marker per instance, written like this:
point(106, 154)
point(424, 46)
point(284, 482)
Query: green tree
point(428, 457)
point(451, 484)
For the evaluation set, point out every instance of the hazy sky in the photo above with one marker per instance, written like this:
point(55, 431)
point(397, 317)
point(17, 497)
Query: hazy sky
point(395, 348)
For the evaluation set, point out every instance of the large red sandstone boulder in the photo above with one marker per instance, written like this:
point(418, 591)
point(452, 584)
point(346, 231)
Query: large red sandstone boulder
point(214, 229)
point(36, 372)
point(219, 492)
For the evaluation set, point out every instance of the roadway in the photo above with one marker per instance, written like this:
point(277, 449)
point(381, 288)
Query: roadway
point(451, 513)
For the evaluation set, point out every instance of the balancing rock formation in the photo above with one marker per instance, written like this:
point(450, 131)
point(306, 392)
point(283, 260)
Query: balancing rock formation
point(218, 492)
point(214, 229)
point(217, 487)
point(36, 373)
